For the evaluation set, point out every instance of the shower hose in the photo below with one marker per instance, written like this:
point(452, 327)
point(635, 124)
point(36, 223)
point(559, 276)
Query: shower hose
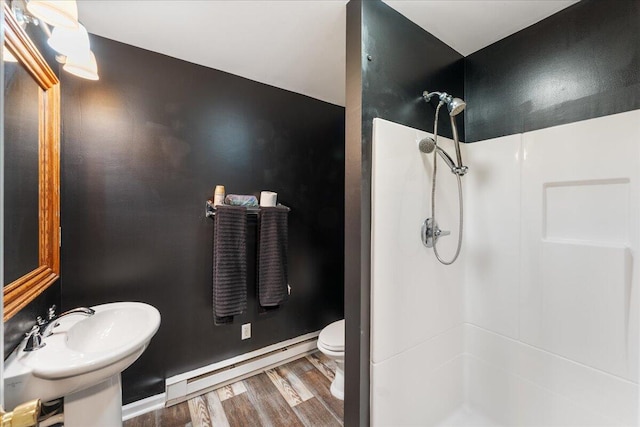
point(433, 198)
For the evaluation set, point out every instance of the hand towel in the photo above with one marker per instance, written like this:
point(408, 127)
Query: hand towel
point(229, 263)
point(240, 200)
point(273, 277)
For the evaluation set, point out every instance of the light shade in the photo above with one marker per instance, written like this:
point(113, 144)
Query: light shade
point(84, 66)
point(70, 42)
point(61, 13)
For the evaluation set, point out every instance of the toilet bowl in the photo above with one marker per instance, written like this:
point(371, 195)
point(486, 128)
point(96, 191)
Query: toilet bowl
point(331, 343)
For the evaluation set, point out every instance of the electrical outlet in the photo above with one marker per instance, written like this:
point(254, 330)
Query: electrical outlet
point(246, 331)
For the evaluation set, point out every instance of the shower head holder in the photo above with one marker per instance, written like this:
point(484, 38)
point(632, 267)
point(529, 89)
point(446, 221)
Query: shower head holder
point(428, 95)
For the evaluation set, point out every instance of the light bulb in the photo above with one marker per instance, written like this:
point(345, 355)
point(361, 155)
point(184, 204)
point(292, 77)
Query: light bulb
point(70, 42)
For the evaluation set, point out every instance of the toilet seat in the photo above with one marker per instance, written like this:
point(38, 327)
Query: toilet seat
point(332, 337)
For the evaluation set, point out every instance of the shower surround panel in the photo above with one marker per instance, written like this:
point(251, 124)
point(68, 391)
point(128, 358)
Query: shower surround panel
point(555, 343)
point(417, 304)
point(549, 333)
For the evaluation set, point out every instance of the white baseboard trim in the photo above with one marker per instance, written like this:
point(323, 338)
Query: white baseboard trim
point(194, 383)
point(149, 404)
point(182, 387)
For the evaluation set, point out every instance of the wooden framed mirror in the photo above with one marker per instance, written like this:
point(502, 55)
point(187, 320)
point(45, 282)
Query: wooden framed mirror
point(40, 126)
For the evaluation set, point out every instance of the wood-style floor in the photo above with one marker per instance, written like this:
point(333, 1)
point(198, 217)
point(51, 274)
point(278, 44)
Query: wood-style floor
point(295, 394)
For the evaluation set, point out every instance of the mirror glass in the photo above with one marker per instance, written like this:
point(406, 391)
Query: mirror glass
point(21, 198)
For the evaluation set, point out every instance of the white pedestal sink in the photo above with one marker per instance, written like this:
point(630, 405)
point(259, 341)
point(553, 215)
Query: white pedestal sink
point(82, 362)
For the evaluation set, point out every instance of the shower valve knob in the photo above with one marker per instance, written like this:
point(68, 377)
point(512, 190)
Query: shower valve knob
point(430, 233)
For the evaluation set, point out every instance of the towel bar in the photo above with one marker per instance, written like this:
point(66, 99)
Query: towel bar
point(210, 209)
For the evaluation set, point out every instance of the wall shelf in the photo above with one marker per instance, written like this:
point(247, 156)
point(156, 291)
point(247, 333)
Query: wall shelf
point(210, 209)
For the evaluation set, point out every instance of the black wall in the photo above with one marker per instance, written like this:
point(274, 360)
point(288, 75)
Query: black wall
point(580, 63)
point(405, 61)
point(390, 62)
point(143, 148)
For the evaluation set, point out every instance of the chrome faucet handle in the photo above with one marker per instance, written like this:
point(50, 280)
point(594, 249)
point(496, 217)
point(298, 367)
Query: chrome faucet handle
point(440, 233)
point(430, 233)
point(51, 313)
point(34, 329)
point(34, 339)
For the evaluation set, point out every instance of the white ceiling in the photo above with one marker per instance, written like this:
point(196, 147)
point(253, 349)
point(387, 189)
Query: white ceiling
point(470, 25)
point(298, 45)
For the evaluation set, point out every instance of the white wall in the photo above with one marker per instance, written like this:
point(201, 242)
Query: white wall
point(417, 305)
point(552, 274)
point(537, 323)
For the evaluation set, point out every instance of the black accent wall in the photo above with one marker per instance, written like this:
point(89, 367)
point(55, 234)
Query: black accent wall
point(390, 62)
point(405, 61)
point(578, 64)
point(143, 148)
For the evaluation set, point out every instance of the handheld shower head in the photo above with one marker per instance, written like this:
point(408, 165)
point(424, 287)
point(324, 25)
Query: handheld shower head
point(428, 144)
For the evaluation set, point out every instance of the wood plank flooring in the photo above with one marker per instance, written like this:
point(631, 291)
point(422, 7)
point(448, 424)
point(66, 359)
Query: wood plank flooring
point(294, 394)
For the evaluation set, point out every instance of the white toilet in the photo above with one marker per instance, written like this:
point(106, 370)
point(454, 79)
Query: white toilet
point(331, 343)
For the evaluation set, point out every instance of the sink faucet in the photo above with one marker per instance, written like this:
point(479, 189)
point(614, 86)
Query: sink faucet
point(43, 328)
point(47, 326)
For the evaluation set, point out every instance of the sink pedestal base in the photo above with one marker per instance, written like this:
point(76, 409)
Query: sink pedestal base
point(99, 405)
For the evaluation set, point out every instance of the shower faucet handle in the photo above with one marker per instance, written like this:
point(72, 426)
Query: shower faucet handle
point(431, 233)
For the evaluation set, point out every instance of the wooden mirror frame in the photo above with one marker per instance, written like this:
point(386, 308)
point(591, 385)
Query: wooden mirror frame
point(25, 289)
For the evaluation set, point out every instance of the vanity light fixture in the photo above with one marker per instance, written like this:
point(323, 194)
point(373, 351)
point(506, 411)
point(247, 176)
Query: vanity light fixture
point(69, 38)
point(84, 66)
point(60, 13)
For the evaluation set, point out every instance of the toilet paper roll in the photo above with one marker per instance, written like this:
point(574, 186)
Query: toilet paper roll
point(268, 198)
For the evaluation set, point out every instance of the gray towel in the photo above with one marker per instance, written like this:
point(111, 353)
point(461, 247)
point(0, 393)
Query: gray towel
point(229, 263)
point(273, 278)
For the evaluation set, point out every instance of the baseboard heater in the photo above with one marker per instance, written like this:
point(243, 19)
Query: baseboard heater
point(183, 387)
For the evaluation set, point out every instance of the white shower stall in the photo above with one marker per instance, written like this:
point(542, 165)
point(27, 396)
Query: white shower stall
point(536, 324)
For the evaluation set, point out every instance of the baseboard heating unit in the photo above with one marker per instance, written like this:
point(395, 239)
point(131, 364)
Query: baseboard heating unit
point(194, 383)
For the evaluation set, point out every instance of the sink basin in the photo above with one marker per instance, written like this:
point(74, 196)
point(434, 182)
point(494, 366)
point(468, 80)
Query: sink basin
point(84, 344)
point(110, 329)
point(81, 352)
